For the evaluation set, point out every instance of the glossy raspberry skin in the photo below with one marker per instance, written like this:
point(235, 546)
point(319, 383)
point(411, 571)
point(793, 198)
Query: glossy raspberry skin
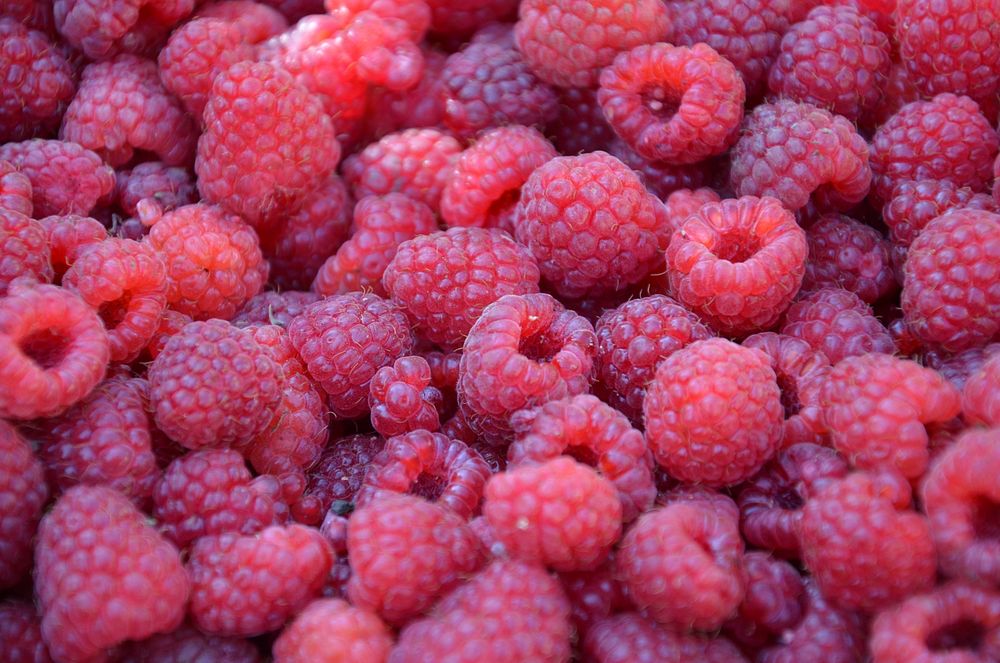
point(773, 601)
point(848, 254)
point(402, 398)
point(23, 494)
point(213, 385)
point(21, 633)
point(951, 297)
point(797, 152)
point(337, 475)
point(738, 263)
point(51, 165)
point(344, 340)
point(631, 638)
point(980, 401)
point(15, 190)
point(24, 250)
point(103, 575)
point(683, 203)
point(249, 585)
point(914, 204)
point(274, 308)
point(445, 280)
point(332, 631)
point(837, 323)
point(826, 633)
point(102, 28)
point(170, 186)
point(188, 644)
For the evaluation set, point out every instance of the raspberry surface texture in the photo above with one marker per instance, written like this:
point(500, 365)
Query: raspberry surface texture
point(65, 177)
point(274, 308)
point(24, 249)
point(837, 323)
point(826, 632)
point(15, 190)
point(980, 400)
point(337, 475)
point(23, 494)
point(402, 398)
point(189, 644)
point(21, 633)
point(848, 254)
point(332, 631)
point(170, 186)
point(101, 28)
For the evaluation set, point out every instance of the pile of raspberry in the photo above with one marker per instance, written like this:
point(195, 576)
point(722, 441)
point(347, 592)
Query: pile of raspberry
point(500, 331)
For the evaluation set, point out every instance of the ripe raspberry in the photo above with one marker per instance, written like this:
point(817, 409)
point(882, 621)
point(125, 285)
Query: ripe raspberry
point(914, 204)
point(631, 638)
point(462, 17)
point(21, 633)
point(24, 250)
point(899, 90)
point(415, 13)
point(444, 281)
point(344, 340)
point(683, 565)
point(662, 178)
point(381, 224)
point(509, 611)
point(213, 385)
point(103, 575)
point(523, 351)
point(950, 296)
point(683, 203)
point(581, 125)
point(415, 162)
point(102, 28)
point(848, 254)
point(958, 368)
point(826, 633)
point(402, 398)
point(53, 351)
point(800, 153)
point(865, 549)
point(214, 263)
point(249, 585)
point(15, 190)
point(946, 138)
point(773, 601)
point(171, 324)
point(657, 98)
point(274, 308)
point(69, 237)
point(121, 106)
point(188, 644)
point(486, 184)
point(837, 323)
point(417, 107)
point(65, 178)
point(23, 494)
point(332, 631)
point(981, 396)
point(255, 21)
point(170, 186)
point(337, 476)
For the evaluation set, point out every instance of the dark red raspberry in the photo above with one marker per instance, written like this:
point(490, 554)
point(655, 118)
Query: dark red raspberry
point(631, 638)
point(509, 611)
point(981, 396)
point(402, 398)
point(381, 224)
point(914, 204)
point(103, 575)
point(445, 280)
point(462, 17)
point(657, 98)
point(344, 340)
point(773, 601)
point(53, 351)
point(864, 548)
point(65, 178)
point(31, 14)
point(333, 630)
point(837, 323)
point(24, 250)
point(274, 308)
point(101, 28)
point(21, 633)
point(800, 153)
point(23, 494)
point(249, 585)
point(683, 565)
point(523, 351)
point(738, 263)
point(188, 644)
point(593, 595)
point(848, 254)
point(213, 385)
point(958, 368)
point(337, 476)
point(170, 324)
point(169, 186)
point(255, 21)
point(15, 190)
point(826, 633)
point(946, 138)
point(581, 125)
point(662, 178)
point(950, 297)
point(418, 107)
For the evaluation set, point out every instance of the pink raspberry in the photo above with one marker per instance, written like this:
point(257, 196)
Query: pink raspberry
point(24, 250)
point(21, 633)
point(102, 28)
point(255, 21)
point(65, 178)
point(170, 186)
point(402, 398)
point(415, 13)
point(772, 604)
point(188, 644)
point(15, 190)
point(417, 107)
point(293, 10)
point(332, 630)
point(23, 494)
point(899, 90)
point(848, 254)
point(69, 237)
point(914, 204)
point(274, 308)
point(826, 633)
point(837, 323)
point(632, 638)
point(581, 125)
point(981, 396)
point(171, 324)
point(30, 13)
point(337, 476)
point(681, 204)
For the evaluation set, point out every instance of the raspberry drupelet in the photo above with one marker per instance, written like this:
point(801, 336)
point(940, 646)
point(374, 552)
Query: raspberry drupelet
point(837, 323)
point(981, 395)
point(958, 368)
point(189, 644)
point(170, 186)
point(772, 603)
point(402, 398)
point(593, 595)
point(846, 253)
point(21, 633)
point(15, 190)
point(337, 476)
point(24, 250)
point(680, 204)
point(69, 237)
point(331, 630)
point(65, 177)
point(580, 126)
point(23, 494)
point(102, 28)
point(170, 324)
point(255, 21)
point(418, 107)
point(629, 637)
point(825, 633)
point(274, 308)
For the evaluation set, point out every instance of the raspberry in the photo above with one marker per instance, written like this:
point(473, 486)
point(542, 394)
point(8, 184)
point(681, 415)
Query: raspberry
point(274, 308)
point(24, 250)
point(15, 190)
point(65, 178)
point(23, 494)
point(188, 644)
point(213, 385)
point(267, 143)
point(914, 204)
point(552, 38)
point(865, 549)
point(848, 254)
point(581, 125)
point(826, 633)
point(121, 106)
point(35, 16)
point(946, 138)
point(102, 28)
point(103, 575)
point(683, 203)
point(460, 17)
point(381, 224)
point(662, 178)
point(170, 324)
point(415, 13)
point(69, 237)
point(53, 351)
point(415, 162)
point(958, 368)
point(509, 611)
point(332, 630)
point(950, 296)
point(402, 398)
point(21, 633)
point(837, 323)
point(772, 604)
point(337, 476)
point(444, 281)
point(683, 565)
point(657, 98)
point(981, 396)
point(486, 184)
point(716, 263)
point(590, 224)
point(255, 21)
point(797, 152)
point(899, 90)
point(214, 264)
point(170, 186)
point(593, 596)
point(523, 351)
point(418, 107)
point(631, 638)
point(344, 340)
point(248, 585)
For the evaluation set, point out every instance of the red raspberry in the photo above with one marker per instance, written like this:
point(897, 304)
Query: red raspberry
point(848, 254)
point(581, 125)
point(486, 184)
point(958, 368)
point(899, 90)
point(415, 13)
point(509, 611)
point(337, 476)
point(662, 178)
point(213, 259)
point(402, 398)
point(121, 106)
point(170, 186)
point(213, 385)
point(417, 107)
point(593, 596)
point(946, 138)
point(681, 204)
point(274, 308)
point(239, 165)
point(333, 631)
point(914, 204)
point(23, 494)
point(683, 565)
point(460, 17)
point(53, 351)
point(65, 178)
point(101, 28)
point(837, 323)
point(31, 14)
point(103, 575)
point(415, 162)
point(255, 21)
point(950, 296)
point(687, 432)
point(24, 250)
point(344, 340)
point(981, 396)
point(560, 51)
point(865, 549)
point(523, 351)
point(797, 152)
point(15, 190)
point(188, 644)
point(445, 280)
point(716, 263)
point(826, 633)
point(381, 224)
point(657, 98)
point(171, 324)
point(249, 585)
point(69, 237)
point(431, 549)
point(631, 638)
point(773, 601)
point(21, 633)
